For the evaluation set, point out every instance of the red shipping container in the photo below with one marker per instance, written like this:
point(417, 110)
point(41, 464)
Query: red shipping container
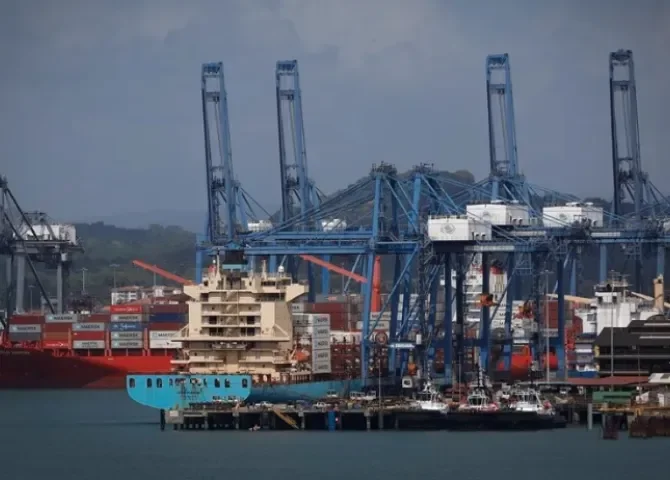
point(169, 308)
point(339, 321)
point(56, 344)
point(165, 326)
point(57, 327)
point(55, 336)
point(98, 318)
point(26, 319)
point(126, 308)
point(88, 336)
point(329, 307)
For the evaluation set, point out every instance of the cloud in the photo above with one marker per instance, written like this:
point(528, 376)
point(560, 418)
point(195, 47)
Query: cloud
point(99, 89)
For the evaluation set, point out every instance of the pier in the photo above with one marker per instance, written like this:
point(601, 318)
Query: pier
point(300, 419)
point(358, 419)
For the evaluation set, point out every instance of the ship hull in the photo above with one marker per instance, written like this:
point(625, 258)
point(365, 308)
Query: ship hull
point(39, 369)
point(308, 392)
point(144, 389)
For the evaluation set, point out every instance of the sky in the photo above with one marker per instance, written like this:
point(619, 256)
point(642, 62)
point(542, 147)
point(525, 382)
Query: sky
point(100, 110)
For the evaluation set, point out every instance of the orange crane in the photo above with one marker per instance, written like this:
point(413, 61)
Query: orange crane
point(376, 278)
point(163, 273)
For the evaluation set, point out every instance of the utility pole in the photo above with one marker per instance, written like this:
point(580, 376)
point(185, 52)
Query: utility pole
point(83, 280)
point(114, 266)
point(546, 323)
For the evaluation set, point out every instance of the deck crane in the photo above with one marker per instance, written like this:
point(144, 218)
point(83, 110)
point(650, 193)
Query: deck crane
point(27, 238)
point(630, 181)
point(229, 206)
point(299, 195)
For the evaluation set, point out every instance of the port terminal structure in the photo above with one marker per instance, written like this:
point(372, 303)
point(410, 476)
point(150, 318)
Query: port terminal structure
point(27, 239)
point(429, 232)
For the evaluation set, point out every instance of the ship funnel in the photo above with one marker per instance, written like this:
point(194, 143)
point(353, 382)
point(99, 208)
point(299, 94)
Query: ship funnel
point(659, 294)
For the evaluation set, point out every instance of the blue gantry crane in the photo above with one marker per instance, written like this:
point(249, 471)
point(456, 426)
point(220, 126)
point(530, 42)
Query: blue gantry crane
point(526, 228)
point(647, 205)
point(299, 194)
point(229, 207)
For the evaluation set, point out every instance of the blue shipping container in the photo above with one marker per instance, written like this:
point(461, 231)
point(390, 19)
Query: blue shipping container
point(126, 327)
point(167, 317)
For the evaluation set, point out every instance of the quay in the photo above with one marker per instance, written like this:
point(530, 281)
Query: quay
point(244, 418)
point(357, 419)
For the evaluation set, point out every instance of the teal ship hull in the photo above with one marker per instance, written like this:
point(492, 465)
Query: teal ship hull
point(179, 390)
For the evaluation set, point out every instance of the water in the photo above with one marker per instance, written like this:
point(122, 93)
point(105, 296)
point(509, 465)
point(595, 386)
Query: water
point(104, 436)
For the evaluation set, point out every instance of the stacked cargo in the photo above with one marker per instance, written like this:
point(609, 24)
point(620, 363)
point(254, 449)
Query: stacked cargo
point(165, 321)
point(342, 314)
point(312, 334)
point(57, 330)
point(26, 328)
point(89, 336)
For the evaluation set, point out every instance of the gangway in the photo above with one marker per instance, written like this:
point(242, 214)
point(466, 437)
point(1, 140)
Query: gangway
point(288, 420)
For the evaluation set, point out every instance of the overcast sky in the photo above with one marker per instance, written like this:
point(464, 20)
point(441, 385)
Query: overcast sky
point(100, 103)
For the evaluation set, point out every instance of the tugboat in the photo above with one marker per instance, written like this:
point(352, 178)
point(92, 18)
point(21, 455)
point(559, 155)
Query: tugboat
point(480, 412)
point(429, 400)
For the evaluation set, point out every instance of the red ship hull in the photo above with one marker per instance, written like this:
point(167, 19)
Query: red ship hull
point(23, 368)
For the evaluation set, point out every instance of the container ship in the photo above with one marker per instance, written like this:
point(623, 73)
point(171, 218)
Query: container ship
point(244, 340)
point(97, 350)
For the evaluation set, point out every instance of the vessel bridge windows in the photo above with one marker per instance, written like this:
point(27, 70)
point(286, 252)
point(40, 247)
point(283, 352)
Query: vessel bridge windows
point(159, 383)
point(171, 383)
point(245, 383)
point(217, 383)
point(148, 383)
point(131, 383)
point(226, 383)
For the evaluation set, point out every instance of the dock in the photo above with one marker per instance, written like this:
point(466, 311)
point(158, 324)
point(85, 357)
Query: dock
point(274, 418)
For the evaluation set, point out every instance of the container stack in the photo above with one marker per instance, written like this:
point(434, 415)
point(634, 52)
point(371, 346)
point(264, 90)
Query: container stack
point(89, 336)
point(26, 328)
point(312, 333)
point(126, 329)
point(57, 331)
point(164, 323)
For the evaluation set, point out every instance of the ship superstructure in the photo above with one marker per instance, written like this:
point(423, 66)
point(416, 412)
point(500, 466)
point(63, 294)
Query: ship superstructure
point(241, 322)
point(613, 305)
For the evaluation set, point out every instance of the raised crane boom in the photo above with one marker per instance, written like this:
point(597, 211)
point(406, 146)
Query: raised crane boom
point(506, 181)
point(226, 218)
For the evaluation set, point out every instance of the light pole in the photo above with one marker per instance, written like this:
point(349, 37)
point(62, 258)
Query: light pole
point(83, 280)
point(546, 323)
point(114, 266)
point(30, 289)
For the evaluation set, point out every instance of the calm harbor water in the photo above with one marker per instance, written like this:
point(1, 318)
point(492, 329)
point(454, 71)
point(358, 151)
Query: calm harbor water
point(66, 435)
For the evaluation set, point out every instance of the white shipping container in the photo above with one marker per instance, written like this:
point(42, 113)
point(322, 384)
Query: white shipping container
point(62, 318)
point(321, 361)
point(25, 328)
point(298, 307)
point(164, 343)
point(88, 327)
point(315, 319)
point(126, 317)
point(162, 334)
point(321, 332)
point(381, 325)
point(127, 344)
point(321, 344)
point(126, 335)
point(88, 344)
